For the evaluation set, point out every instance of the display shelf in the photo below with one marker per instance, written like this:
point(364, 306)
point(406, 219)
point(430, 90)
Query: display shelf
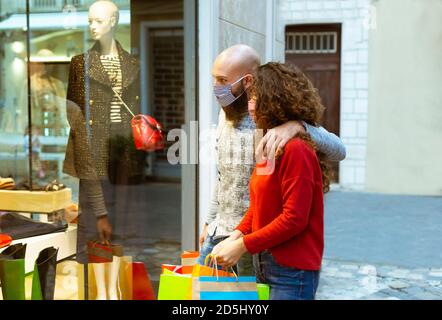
point(65, 241)
point(34, 201)
point(42, 203)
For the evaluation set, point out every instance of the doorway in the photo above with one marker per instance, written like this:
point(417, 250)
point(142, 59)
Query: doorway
point(316, 50)
point(162, 95)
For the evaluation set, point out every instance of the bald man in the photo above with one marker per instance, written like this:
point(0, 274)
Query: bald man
point(233, 77)
point(234, 66)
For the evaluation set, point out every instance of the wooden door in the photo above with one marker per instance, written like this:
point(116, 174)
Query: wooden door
point(316, 50)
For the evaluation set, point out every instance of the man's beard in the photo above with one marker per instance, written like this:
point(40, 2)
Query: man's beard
point(237, 109)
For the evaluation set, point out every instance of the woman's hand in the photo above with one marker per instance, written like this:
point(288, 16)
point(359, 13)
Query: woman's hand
point(275, 139)
point(216, 249)
point(234, 236)
point(231, 252)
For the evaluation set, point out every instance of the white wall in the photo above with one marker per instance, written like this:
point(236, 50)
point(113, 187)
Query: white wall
point(404, 152)
point(353, 15)
point(243, 21)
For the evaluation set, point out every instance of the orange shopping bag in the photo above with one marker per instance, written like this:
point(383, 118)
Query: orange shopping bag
point(188, 260)
point(209, 269)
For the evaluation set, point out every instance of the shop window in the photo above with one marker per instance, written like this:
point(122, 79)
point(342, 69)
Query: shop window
point(58, 31)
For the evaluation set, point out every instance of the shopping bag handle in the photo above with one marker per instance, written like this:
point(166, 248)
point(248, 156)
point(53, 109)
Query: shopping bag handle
point(213, 260)
point(207, 259)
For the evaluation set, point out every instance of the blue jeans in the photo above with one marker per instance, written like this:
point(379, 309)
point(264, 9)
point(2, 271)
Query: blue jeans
point(207, 247)
point(285, 283)
point(245, 264)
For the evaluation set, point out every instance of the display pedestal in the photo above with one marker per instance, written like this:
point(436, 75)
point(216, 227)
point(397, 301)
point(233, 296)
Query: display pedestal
point(34, 201)
point(65, 241)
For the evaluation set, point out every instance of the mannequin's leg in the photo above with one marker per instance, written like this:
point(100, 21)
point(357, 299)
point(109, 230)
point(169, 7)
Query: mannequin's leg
point(113, 278)
point(100, 280)
point(86, 281)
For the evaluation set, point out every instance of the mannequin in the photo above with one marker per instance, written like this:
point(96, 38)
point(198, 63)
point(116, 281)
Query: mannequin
point(111, 285)
point(100, 151)
point(103, 20)
point(107, 289)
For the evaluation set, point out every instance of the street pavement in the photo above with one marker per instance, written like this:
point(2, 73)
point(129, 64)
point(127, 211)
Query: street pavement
point(355, 281)
point(381, 246)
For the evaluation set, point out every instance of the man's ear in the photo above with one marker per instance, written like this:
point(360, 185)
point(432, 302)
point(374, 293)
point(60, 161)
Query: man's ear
point(248, 81)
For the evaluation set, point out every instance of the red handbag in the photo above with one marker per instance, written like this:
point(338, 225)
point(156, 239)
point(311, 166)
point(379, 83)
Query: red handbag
point(147, 132)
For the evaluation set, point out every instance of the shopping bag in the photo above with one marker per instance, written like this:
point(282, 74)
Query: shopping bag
point(125, 279)
point(224, 288)
point(174, 286)
point(43, 281)
point(208, 269)
point(263, 291)
point(188, 260)
point(142, 286)
point(216, 287)
point(12, 272)
point(103, 252)
point(168, 271)
point(172, 268)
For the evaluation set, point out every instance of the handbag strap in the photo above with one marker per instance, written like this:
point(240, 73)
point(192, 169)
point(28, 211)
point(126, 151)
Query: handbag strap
point(130, 111)
point(124, 103)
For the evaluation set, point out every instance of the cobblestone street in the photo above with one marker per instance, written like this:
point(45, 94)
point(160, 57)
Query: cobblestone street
point(381, 247)
point(352, 281)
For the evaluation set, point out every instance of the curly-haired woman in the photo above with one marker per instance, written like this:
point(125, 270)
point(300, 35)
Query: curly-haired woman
point(284, 226)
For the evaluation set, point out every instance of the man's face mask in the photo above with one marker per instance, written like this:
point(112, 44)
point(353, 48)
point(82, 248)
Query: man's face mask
point(224, 95)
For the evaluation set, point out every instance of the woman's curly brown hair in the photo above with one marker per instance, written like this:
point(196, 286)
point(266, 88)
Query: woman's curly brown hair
point(283, 93)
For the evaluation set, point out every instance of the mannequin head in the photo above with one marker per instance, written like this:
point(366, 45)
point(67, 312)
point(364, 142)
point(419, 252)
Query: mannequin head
point(103, 20)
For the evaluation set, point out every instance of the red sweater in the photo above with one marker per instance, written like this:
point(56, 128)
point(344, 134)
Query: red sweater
point(286, 214)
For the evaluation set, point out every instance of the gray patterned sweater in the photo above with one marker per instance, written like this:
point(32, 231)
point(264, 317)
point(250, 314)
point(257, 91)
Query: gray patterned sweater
point(235, 163)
